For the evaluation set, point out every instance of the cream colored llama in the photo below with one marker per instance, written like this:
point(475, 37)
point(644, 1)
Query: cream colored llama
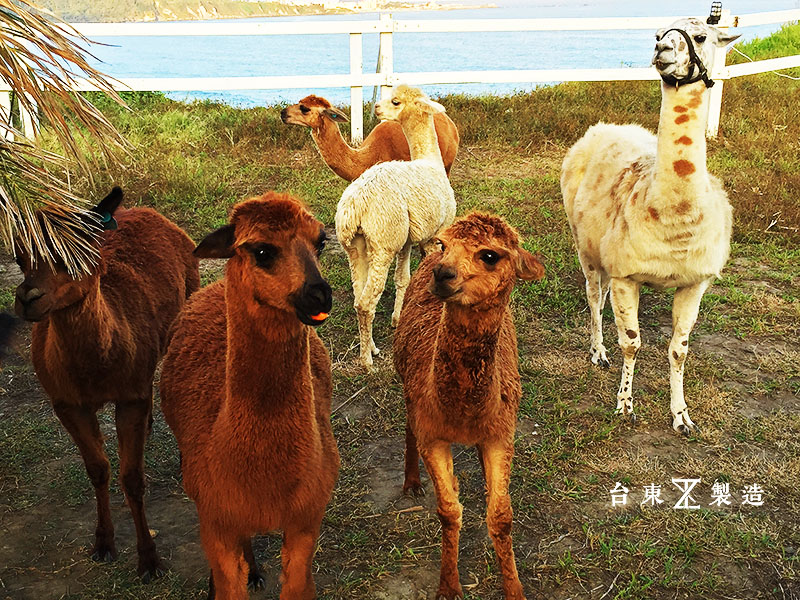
point(392, 206)
point(644, 209)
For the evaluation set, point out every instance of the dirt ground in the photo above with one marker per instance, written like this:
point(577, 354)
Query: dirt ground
point(377, 543)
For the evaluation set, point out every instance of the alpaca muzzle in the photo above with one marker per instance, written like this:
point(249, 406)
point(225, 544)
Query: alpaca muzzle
point(314, 302)
point(26, 303)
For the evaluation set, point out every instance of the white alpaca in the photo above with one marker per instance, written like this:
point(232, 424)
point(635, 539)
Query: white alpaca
point(644, 209)
point(391, 206)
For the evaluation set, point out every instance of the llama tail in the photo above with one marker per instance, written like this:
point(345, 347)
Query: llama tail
point(349, 214)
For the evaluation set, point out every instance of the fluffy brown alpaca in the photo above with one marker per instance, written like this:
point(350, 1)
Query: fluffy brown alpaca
point(98, 339)
point(456, 350)
point(246, 388)
point(384, 143)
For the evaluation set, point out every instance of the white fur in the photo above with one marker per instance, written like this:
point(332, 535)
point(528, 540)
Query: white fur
point(391, 206)
point(644, 209)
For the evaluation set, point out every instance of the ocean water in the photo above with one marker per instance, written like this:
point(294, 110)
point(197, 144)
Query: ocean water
point(232, 56)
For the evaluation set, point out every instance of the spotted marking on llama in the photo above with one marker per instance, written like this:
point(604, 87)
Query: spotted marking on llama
point(683, 167)
point(683, 207)
point(685, 140)
point(653, 213)
point(681, 119)
point(680, 109)
point(631, 334)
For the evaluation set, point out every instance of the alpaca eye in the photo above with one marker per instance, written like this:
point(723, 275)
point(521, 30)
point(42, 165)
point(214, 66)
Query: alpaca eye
point(440, 245)
point(305, 110)
point(265, 255)
point(490, 258)
point(396, 102)
point(699, 39)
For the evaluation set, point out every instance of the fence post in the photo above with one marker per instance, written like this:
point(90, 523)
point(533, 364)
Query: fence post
point(356, 91)
point(5, 115)
point(715, 93)
point(386, 55)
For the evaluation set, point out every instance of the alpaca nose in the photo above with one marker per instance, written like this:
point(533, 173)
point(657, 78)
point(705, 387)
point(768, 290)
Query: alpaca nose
point(27, 295)
point(442, 273)
point(320, 293)
point(664, 43)
point(283, 115)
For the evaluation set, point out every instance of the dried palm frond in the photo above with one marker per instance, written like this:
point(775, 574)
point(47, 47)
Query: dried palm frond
point(42, 61)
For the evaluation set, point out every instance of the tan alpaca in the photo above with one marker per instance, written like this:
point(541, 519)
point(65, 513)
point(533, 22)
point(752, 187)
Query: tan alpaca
point(644, 210)
point(384, 143)
point(456, 351)
point(392, 206)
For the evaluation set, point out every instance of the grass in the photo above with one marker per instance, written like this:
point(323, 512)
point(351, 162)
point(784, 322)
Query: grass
point(194, 161)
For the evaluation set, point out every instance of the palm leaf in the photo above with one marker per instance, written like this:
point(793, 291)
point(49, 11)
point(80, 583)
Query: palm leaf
point(42, 59)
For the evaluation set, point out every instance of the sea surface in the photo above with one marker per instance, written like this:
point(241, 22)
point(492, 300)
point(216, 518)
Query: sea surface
point(166, 56)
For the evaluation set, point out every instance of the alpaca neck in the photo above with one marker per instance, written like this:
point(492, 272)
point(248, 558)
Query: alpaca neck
point(86, 325)
point(681, 155)
point(464, 365)
point(267, 368)
point(343, 159)
point(421, 136)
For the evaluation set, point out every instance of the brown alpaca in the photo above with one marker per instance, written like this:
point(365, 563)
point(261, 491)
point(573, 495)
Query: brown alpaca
point(98, 339)
point(384, 143)
point(246, 387)
point(456, 350)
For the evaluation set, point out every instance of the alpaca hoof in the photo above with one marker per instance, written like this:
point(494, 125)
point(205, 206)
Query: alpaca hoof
point(601, 362)
point(684, 425)
point(150, 574)
point(632, 418)
point(255, 582)
point(688, 431)
point(413, 490)
point(104, 555)
point(150, 567)
point(375, 351)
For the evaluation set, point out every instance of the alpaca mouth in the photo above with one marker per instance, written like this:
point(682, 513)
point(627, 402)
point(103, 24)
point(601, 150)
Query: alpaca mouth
point(313, 320)
point(443, 291)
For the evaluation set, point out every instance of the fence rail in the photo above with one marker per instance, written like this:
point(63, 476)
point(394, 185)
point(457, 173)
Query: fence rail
point(387, 26)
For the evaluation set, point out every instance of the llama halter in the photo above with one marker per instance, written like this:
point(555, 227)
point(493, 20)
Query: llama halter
point(694, 61)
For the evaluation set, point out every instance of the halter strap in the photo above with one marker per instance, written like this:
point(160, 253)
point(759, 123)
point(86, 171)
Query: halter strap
point(694, 62)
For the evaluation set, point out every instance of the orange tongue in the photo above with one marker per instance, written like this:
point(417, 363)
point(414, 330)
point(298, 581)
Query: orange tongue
point(320, 317)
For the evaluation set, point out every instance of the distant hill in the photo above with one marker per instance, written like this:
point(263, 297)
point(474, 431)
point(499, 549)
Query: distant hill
point(82, 11)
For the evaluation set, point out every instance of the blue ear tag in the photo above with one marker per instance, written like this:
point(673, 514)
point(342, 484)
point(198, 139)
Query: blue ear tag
point(108, 221)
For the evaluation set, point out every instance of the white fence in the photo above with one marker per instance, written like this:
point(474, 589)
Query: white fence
point(387, 26)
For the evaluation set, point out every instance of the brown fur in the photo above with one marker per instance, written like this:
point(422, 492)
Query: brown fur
point(384, 143)
point(458, 361)
point(246, 388)
point(99, 339)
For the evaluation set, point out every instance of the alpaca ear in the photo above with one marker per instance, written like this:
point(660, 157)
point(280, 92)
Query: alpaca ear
point(528, 266)
point(217, 244)
point(430, 105)
point(724, 38)
point(334, 114)
point(107, 207)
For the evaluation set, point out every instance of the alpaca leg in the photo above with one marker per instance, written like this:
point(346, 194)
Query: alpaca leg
point(255, 580)
point(81, 423)
point(297, 553)
point(496, 459)
point(684, 314)
point(223, 550)
point(596, 296)
point(368, 302)
point(412, 485)
point(402, 277)
point(132, 420)
point(439, 462)
point(625, 301)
